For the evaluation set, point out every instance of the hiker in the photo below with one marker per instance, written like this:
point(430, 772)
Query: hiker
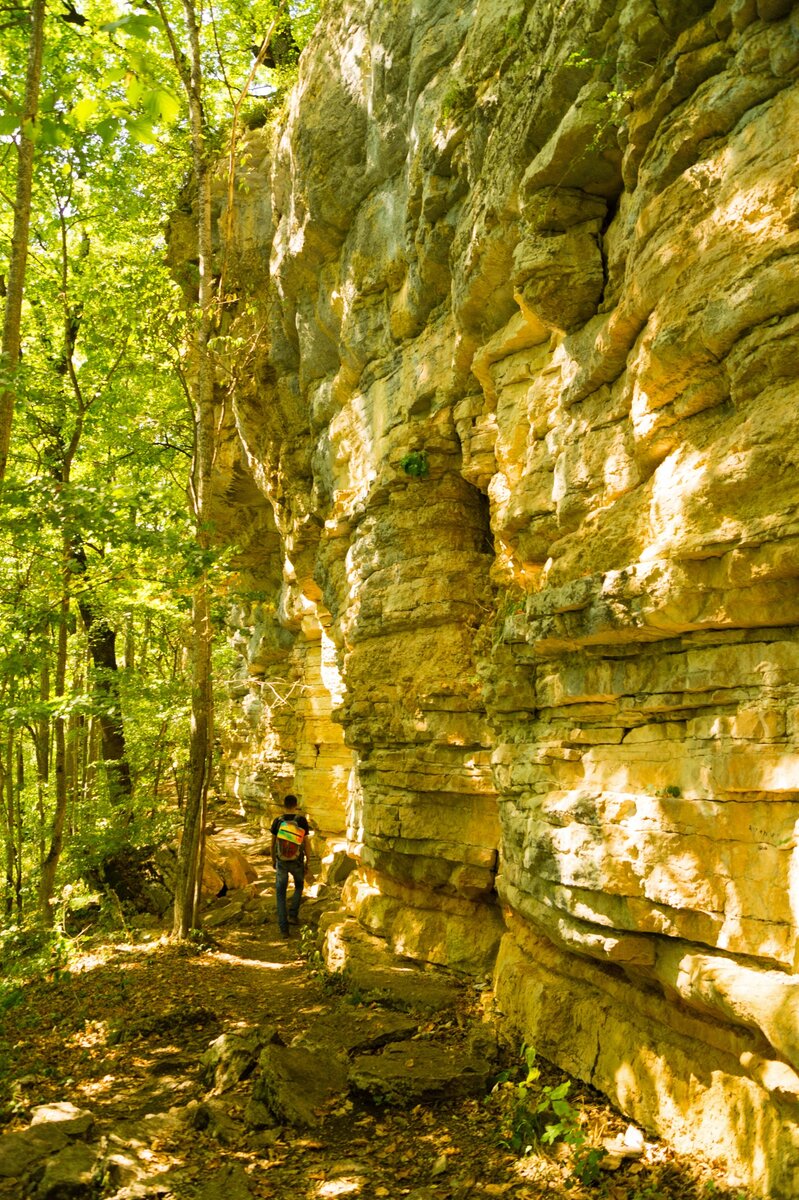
point(289, 857)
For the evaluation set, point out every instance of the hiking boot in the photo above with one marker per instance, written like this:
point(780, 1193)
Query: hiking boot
point(285, 933)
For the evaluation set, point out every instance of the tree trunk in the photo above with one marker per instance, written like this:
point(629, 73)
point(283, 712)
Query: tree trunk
point(18, 816)
point(53, 856)
point(187, 884)
point(7, 809)
point(40, 733)
point(12, 321)
point(102, 647)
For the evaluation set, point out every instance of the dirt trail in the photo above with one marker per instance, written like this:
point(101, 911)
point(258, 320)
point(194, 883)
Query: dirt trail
point(122, 1034)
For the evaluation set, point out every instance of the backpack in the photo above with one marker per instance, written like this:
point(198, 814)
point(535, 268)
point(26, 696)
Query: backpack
point(290, 837)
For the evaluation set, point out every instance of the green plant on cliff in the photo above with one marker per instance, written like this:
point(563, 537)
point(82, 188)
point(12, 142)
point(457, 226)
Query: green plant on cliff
point(613, 107)
point(511, 605)
point(514, 28)
point(415, 464)
point(458, 99)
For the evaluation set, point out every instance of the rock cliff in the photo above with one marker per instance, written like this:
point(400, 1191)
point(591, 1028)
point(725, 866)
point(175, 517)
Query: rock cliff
point(513, 432)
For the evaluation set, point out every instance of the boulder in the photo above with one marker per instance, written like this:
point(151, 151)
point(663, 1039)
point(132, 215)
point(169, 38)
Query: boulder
point(297, 1084)
point(223, 914)
point(362, 1029)
point(143, 877)
point(258, 1116)
point(336, 867)
point(371, 968)
point(408, 1072)
point(228, 1183)
point(233, 1056)
point(214, 1117)
point(22, 1152)
point(140, 877)
point(227, 864)
point(69, 1174)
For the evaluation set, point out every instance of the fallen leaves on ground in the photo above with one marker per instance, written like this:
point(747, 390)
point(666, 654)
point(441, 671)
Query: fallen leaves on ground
point(122, 1034)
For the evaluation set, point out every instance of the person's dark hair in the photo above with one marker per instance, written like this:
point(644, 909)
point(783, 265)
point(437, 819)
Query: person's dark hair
point(290, 801)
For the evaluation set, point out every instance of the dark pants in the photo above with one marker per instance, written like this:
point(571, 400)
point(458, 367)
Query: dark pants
point(296, 870)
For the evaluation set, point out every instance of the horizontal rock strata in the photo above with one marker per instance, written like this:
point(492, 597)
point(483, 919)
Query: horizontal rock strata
point(516, 438)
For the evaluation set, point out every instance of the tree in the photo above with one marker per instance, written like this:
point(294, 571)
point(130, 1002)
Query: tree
point(76, 499)
point(189, 66)
point(12, 319)
point(93, 529)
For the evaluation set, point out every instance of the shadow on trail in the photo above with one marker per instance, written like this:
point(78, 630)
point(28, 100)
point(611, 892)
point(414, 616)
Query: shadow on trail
point(122, 1036)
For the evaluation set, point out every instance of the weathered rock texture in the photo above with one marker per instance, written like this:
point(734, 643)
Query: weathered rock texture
point(519, 302)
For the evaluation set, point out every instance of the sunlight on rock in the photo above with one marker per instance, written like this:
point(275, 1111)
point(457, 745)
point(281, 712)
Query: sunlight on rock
point(346, 1186)
point(507, 463)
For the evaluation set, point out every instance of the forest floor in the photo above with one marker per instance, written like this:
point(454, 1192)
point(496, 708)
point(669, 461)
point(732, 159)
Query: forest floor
point(121, 1035)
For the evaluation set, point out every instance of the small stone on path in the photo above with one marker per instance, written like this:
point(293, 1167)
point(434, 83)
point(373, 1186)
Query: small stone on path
point(65, 1115)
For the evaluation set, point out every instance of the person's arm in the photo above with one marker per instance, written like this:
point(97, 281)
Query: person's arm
point(306, 853)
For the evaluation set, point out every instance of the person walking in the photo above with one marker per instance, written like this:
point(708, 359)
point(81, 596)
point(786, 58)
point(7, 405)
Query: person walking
point(289, 858)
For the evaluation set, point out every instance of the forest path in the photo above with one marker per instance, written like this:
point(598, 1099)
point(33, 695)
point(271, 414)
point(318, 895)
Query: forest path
point(121, 1035)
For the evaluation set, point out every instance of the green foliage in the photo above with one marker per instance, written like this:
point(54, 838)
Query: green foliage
point(258, 113)
point(613, 107)
point(533, 1114)
point(514, 28)
point(458, 100)
point(94, 513)
point(415, 464)
point(28, 952)
point(309, 950)
point(305, 16)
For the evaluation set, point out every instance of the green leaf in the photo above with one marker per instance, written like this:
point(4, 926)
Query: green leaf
point(134, 90)
point(84, 110)
point(138, 25)
point(161, 105)
point(141, 130)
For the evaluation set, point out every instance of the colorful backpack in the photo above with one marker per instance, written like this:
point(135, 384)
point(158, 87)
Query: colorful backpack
point(290, 837)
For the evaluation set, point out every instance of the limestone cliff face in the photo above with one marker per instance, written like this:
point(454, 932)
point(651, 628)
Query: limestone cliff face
point(518, 301)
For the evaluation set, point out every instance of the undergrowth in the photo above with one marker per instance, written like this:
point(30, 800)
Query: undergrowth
point(534, 1115)
point(29, 952)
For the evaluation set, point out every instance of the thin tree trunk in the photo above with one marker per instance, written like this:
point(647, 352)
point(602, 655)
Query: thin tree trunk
point(130, 643)
point(158, 768)
point(7, 809)
point(53, 856)
point(18, 816)
point(93, 756)
point(75, 728)
point(40, 733)
point(186, 884)
point(12, 321)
